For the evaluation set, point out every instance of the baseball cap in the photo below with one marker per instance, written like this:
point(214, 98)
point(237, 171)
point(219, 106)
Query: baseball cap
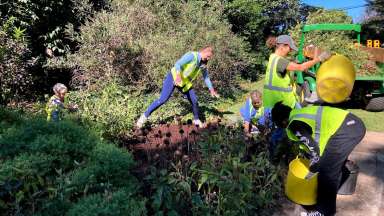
point(286, 39)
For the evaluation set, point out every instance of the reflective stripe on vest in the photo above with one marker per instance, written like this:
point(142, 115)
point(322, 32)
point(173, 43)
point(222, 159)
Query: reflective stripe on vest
point(317, 118)
point(272, 71)
point(324, 122)
point(277, 88)
point(188, 73)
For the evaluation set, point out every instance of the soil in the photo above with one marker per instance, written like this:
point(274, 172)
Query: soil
point(165, 143)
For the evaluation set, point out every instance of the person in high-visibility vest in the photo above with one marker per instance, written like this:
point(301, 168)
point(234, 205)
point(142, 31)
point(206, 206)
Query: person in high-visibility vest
point(257, 119)
point(278, 82)
point(181, 76)
point(328, 135)
point(55, 104)
point(254, 114)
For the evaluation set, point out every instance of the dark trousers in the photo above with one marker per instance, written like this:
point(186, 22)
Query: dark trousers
point(166, 93)
point(336, 153)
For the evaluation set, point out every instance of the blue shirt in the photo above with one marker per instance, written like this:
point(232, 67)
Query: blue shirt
point(188, 57)
point(247, 113)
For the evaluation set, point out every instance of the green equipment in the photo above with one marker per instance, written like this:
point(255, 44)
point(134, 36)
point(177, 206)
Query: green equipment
point(368, 91)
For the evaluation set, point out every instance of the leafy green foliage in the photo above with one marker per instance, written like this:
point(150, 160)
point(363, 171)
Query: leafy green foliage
point(114, 109)
point(373, 22)
point(219, 181)
point(108, 168)
point(15, 79)
point(46, 167)
point(231, 186)
point(257, 20)
point(341, 42)
point(137, 43)
point(66, 140)
point(121, 202)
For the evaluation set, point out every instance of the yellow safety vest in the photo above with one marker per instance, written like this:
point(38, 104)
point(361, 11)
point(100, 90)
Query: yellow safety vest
point(324, 122)
point(259, 112)
point(188, 73)
point(54, 108)
point(277, 88)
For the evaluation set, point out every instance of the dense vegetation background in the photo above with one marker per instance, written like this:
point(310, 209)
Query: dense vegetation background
point(113, 55)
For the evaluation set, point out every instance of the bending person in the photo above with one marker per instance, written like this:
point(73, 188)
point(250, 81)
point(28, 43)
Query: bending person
point(181, 76)
point(329, 135)
point(278, 83)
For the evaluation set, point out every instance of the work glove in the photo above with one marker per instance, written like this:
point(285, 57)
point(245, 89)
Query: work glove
point(310, 175)
point(214, 93)
point(324, 56)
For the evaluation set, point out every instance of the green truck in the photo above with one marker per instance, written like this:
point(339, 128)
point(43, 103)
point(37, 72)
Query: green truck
point(368, 91)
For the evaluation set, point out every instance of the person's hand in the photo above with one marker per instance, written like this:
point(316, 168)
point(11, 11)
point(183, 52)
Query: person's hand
point(214, 93)
point(324, 56)
point(178, 79)
point(310, 175)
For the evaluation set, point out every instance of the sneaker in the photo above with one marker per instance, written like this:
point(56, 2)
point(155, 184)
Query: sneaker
point(312, 213)
point(198, 123)
point(141, 121)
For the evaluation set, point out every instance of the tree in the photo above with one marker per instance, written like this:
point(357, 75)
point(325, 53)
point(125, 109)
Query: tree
point(373, 23)
point(256, 20)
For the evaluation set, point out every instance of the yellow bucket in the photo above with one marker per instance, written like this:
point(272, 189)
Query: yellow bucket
point(335, 79)
point(297, 188)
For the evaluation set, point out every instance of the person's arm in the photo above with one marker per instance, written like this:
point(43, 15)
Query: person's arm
point(292, 66)
point(304, 133)
point(208, 83)
point(244, 112)
point(185, 59)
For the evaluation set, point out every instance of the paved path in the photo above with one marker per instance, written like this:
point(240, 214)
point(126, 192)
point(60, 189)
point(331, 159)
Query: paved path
point(368, 200)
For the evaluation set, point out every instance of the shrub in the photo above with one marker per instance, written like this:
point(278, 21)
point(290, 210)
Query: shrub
point(121, 202)
point(45, 167)
point(108, 168)
point(137, 43)
point(15, 79)
point(114, 109)
point(24, 182)
point(65, 140)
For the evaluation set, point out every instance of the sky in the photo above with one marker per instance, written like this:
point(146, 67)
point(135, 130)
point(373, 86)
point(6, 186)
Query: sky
point(355, 13)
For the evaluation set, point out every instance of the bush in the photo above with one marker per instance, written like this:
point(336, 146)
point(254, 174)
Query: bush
point(137, 43)
point(114, 109)
point(15, 79)
point(121, 202)
point(67, 141)
point(45, 167)
point(108, 168)
point(25, 180)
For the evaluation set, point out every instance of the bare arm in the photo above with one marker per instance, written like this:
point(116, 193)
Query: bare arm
point(292, 66)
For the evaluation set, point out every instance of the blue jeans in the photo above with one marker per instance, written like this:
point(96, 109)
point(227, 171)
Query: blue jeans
point(166, 93)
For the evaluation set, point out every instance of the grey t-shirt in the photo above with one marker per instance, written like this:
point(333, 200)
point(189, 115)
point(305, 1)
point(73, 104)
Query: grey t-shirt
point(282, 65)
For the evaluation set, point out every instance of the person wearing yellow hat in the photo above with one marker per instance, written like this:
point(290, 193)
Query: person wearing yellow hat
point(278, 82)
